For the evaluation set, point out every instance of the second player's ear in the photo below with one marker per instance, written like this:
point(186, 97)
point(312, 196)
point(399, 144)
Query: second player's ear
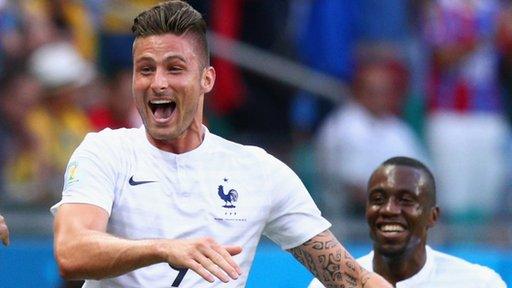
point(434, 215)
point(208, 79)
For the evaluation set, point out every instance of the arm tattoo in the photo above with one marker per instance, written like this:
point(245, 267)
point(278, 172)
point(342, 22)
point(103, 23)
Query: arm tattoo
point(324, 256)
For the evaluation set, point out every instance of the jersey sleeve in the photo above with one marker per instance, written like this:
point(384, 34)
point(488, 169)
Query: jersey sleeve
point(90, 175)
point(294, 217)
point(494, 279)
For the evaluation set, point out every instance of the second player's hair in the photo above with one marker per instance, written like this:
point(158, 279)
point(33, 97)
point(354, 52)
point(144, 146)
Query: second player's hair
point(410, 162)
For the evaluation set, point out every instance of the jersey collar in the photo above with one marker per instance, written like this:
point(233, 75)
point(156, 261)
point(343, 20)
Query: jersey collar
point(197, 152)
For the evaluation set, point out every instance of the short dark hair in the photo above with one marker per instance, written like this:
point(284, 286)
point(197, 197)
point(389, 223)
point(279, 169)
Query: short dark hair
point(410, 162)
point(176, 17)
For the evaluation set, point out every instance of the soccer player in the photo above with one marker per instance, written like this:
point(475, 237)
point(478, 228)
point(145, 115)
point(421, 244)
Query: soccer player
point(141, 207)
point(4, 231)
point(401, 208)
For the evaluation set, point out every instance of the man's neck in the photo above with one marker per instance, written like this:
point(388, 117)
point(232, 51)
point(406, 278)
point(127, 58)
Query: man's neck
point(400, 267)
point(190, 140)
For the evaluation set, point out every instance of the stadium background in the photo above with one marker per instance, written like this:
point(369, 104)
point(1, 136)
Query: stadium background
point(283, 66)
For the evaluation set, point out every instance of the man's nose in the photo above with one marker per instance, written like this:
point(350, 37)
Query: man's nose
point(160, 81)
point(391, 207)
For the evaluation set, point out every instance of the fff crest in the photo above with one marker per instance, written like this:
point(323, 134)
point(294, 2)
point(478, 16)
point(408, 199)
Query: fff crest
point(229, 197)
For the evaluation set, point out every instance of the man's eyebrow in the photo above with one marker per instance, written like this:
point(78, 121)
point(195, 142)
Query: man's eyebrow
point(176, 57)
point(144, 58)
point(376, 190)
point(168, 58)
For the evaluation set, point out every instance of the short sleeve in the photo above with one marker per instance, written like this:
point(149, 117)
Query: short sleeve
point(294, 217)
point(494, 279)
point(89, 176)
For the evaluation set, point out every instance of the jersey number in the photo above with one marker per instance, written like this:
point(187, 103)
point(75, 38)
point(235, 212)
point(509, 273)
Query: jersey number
point(179, 278)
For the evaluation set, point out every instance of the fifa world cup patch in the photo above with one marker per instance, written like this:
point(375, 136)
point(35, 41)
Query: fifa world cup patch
point(71, 173)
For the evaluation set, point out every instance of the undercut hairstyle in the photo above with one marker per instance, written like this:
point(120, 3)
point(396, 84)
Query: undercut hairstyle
point(410, 162)
point(175, 17)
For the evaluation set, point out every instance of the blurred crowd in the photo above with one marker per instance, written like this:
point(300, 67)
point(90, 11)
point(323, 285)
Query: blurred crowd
point(430, 79)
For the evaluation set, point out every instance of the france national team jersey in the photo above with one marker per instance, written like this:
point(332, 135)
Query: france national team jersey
point(441, 271)
point(231, 192)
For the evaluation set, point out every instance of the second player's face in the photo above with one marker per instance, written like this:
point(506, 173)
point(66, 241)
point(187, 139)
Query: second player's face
point(397, 210)
point(169, 83)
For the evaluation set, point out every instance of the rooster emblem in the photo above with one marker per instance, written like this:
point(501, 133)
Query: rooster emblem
point(230, 197)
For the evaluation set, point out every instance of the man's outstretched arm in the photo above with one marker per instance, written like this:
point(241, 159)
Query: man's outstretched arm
point(328, 260)
point(85, 251)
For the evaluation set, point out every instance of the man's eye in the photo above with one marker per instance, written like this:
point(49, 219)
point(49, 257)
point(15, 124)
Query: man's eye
point(377, 199)
point(145, 70)
point(175, 69)
point(407, 200)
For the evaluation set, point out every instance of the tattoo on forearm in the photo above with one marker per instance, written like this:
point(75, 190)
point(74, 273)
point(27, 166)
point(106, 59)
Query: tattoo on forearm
point(324, 256)
point(330, 264)
point(305, 258)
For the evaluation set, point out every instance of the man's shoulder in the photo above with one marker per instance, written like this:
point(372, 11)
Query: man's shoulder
point(223, 145)
point(453, 265)
point(111, 141)
point(109, 135)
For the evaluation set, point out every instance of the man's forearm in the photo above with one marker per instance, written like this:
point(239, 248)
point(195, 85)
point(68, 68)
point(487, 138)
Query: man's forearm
point(328, 260)
point(97, 255)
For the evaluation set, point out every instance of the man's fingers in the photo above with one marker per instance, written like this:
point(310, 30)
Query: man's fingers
point(226, 252)
point(213, 268)
point(233, 250)
point(201, 271)
point(221, 258)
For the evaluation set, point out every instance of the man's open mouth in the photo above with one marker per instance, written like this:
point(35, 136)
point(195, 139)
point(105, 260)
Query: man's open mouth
point(162, 109)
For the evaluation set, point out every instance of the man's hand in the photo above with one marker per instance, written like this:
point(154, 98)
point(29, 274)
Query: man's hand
point(4, 231)
point(204, 256)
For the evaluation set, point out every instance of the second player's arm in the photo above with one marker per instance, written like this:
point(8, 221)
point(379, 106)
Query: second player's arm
point(328, 260)
point(85, 251)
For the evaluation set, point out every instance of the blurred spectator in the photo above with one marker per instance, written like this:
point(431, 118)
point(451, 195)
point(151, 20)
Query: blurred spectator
point(504, 41)
point(19, 95)
point(228, 94)
point(240, 96)
point(11, 38)
point(467, 130)
point(117, 109)
point(392, 25)
point(71, 19)
point(361, 134)
point(57, 124)
point(325, 42)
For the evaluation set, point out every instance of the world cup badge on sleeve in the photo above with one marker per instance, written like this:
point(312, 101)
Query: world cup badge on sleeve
point(71, 173)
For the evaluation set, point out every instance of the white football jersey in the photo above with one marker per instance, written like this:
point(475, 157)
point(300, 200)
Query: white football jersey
point(231, 192)
point(441, 271)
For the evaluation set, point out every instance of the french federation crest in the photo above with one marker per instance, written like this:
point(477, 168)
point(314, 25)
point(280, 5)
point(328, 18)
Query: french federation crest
point(229, 197)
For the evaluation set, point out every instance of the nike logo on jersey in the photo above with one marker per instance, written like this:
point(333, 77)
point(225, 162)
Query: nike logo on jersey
point(134, 183)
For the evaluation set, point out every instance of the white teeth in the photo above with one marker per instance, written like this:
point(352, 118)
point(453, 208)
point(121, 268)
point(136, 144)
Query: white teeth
point(160, 101)
point(391, 228)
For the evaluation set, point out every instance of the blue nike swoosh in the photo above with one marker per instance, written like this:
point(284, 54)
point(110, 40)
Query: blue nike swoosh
point(134, 183)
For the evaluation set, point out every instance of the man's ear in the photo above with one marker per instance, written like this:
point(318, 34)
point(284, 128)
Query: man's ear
point(434, 215)
point(208, 79)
